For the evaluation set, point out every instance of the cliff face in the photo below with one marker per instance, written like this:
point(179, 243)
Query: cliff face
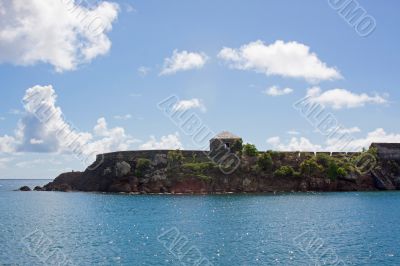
point(188, 172)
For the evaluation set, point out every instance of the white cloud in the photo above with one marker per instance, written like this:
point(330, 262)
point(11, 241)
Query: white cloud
point(170, 141)
point(342, 143)
point(293, 132)
point(15, 112)
point(64, 34)
point(341, 98)
point(143, 71)
point(2, 118)
point(350, 130)
point(129, 8)
point(295, 144)
point(123, 117)
point(184, 105)
point(56, 135)
point(7, 144)
point(32, 163)
point(356, 144)
point(290, 59)
point(183, 61)
point(5, 161)
point(113, 139)
point(275, 91)
point(35, 141)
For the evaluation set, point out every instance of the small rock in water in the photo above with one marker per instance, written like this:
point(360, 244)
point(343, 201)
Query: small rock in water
point(38, 188)
point(25, 188)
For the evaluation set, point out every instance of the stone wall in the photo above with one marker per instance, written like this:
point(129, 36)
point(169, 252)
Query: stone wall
point(388, 151)
point(149, 154)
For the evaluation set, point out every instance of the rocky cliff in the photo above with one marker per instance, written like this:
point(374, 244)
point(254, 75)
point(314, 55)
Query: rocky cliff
point(192, 172)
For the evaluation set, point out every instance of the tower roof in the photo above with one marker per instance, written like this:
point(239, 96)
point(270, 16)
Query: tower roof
point(226, 135)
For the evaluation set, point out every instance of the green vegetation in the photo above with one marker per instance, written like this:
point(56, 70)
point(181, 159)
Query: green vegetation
point(250, 150)
point(142, 164)
point(175, 158)
point(264, 161)
point(324, 159)
point(205, 178)
point(237, 146)
point(310, 168)
point(285, 171)
point(325, 165)
point(194, 157)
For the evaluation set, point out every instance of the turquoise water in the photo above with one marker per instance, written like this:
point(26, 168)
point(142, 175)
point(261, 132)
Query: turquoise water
point(89, 228)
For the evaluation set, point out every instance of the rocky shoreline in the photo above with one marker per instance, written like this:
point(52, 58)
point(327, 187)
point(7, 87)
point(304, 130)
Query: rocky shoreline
point(259, 172)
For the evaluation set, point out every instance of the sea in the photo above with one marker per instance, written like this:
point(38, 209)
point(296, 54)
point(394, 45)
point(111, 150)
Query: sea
point(76, 228)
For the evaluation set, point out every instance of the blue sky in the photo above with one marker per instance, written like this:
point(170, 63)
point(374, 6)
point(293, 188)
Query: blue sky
point(276, 53)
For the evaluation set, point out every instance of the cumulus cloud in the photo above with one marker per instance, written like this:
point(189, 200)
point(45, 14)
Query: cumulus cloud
point(287, 59)
point(341, 98)
point(123, 117)
point(184, 105)
point(143, 71)
point(43, 128)
point(183, 61)
point(350, 130)
point(7, 144)
point(64, 34)
point(275, 91)
point(109, 139)
point(295, 144)
point(293, 132)
point(170, 141)
point(5, 161)
point(341, 143)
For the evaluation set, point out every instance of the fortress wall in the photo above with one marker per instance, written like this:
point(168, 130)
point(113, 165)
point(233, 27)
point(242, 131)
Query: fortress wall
point(324, 152)
point(306, 155)
point(149, 154)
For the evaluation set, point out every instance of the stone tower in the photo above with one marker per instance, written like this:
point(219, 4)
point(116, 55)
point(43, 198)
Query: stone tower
point(225, 140)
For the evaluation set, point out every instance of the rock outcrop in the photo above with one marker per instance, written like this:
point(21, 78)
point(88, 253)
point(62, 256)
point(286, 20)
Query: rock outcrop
point(25, 188)
point(161, 172)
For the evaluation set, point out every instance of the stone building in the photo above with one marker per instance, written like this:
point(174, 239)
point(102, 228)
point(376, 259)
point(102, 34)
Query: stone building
point(225, 140)
point(388, 151)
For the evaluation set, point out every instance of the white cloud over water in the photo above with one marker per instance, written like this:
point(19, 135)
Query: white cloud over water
point(44, 129)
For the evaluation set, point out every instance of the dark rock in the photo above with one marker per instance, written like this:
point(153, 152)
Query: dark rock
point(38, 188)
point(25, 188)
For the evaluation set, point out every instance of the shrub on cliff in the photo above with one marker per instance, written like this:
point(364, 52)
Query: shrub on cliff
point(250, 150)
point(175, 158)
point(204, 178)
point(265, 161)
point(310, 168)
point(237, 146)
point(143, 164)
point(285, 171)
point(324, 159)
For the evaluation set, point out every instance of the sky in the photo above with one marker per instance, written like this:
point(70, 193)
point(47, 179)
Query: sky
point(106, 70)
